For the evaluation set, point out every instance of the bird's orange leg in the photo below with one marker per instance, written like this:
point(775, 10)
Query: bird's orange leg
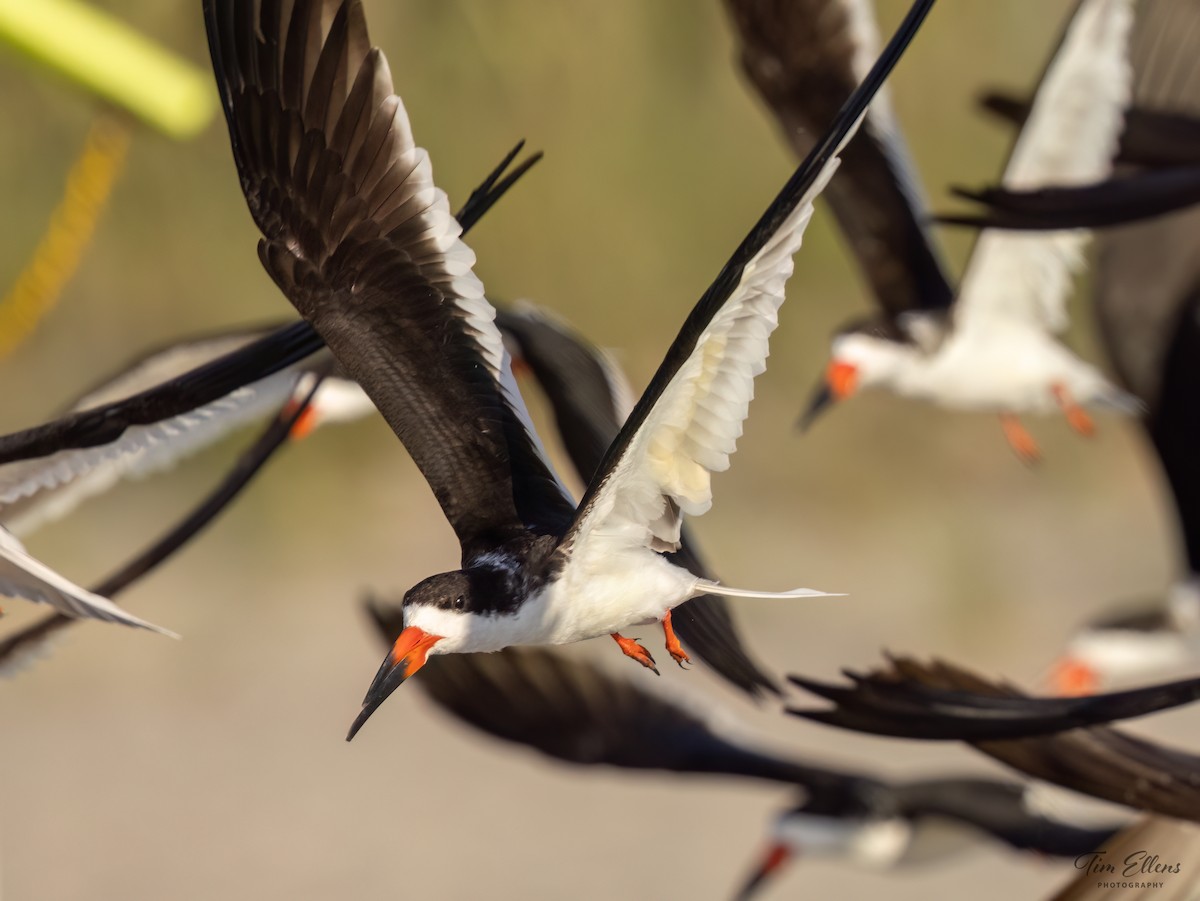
point(1019, 439)
point(1077, 417)
point(630, 648)
point(674, 648)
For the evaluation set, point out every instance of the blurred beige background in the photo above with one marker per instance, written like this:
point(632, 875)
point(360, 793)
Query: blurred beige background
point(135, 767)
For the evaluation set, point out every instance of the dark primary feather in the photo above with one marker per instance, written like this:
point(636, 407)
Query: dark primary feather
point(100, 425)
point(799, 55)
point(1117, 201)
point(905, 699)
point(1175, 426)
point(355, 237)
point(283, 346)
point(768, 224)
point(573, 375)
point(1098, 761)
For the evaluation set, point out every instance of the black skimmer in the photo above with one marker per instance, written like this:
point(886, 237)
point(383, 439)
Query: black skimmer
point(573, 711)
point(1012, 300)
point(150, 423)
point(1146, 303)
point(803, 57)
point(362, 242)
point(590, 399)
point(940, 701)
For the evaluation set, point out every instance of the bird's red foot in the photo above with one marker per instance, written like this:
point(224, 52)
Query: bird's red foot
point(631, 648)
point(1077, 417)
point(1019, 440)
point(674, 648)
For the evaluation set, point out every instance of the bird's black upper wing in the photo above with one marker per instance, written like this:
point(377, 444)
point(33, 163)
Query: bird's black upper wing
point(999, 809)
point(363, 244)
point(805, 58)
point(1116, 201)
point(939, 701)
point(915, 700)
point(100, 425)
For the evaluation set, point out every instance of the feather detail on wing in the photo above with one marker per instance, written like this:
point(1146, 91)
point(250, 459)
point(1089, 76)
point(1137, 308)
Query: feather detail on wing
point(364, 245)
point(693, 428)
point(1070, 138)
point(24, 576)
point(35, 491)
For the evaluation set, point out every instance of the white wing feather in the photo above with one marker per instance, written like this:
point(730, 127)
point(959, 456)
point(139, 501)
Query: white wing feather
point(694, 426)
point(24, 576)
point(1070, 138)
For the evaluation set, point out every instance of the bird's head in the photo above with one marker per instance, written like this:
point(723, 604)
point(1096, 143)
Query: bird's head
point(436, 617)
point(864, 355)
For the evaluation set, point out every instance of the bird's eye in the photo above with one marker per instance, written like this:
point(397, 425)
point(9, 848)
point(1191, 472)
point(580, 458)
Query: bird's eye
point(459, 603)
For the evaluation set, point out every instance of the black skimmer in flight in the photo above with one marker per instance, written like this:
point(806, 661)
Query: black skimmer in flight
point(1051, 739)
point(362, 242)
point(996, 349)
point(590, 399)
point(803, 57)
point(129, 420)
point(1148, 308)
point(573, 711)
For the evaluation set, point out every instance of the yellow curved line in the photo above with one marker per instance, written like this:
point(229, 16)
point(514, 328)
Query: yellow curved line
point(55, 259)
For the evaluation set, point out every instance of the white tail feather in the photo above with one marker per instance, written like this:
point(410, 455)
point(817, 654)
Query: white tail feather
point(706, 587)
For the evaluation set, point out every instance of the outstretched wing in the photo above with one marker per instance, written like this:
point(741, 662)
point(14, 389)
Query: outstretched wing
point(363, 244)
point(590, 399)
point(33, 491)
point(24, 576)
point(687, 422)
point(941, 701)
point(1069, 138)
point(915, 700)
point(1115, 201)
point(805, 57)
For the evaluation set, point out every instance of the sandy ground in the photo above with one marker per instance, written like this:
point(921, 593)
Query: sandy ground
point(136, 767)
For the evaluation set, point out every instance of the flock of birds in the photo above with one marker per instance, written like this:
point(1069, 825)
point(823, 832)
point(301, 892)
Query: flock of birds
point(358, 237)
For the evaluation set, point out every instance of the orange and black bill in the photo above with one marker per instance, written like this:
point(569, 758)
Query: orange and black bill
point(405, 658)
point(777, 855)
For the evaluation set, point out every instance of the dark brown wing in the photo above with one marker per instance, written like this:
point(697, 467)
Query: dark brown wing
point(1098, 761)
point(363, 244)
point(1145, 273)
point(1116, 201)
point(805, 57)
point(572, 710)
